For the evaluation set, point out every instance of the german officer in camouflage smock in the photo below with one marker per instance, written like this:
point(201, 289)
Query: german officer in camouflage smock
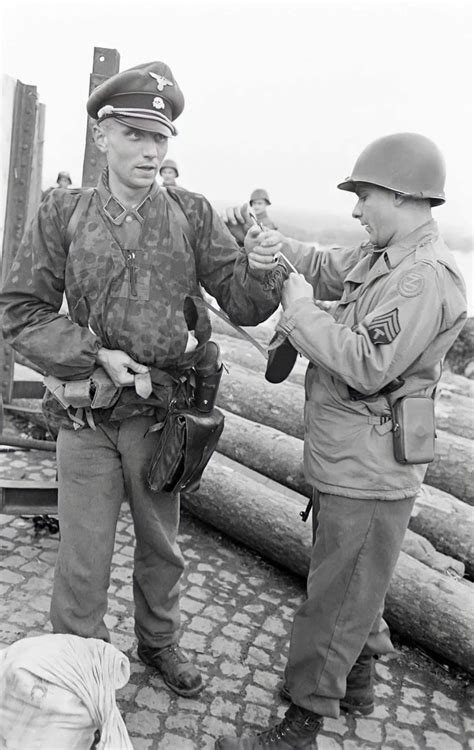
point(131, 280)
point(401, 302)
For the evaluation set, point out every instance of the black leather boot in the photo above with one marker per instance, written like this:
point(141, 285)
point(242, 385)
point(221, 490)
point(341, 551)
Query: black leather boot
point(359, 697)
point(176, 669)
point(297, 731)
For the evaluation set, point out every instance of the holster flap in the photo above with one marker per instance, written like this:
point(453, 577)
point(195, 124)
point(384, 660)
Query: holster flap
point(185, 446)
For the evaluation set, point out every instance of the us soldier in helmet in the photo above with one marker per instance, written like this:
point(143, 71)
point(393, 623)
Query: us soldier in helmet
point(259, 202)
point(169, 172)
point(401, 304)
point(137, 327)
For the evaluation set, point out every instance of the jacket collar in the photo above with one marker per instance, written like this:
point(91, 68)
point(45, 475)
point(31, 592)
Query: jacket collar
point(114, 209)
point(391, 256)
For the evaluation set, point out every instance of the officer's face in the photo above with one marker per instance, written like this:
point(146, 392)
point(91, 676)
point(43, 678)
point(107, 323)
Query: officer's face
point(63, 182)
point(168, 176)
point(376, 211)
point(133, 156)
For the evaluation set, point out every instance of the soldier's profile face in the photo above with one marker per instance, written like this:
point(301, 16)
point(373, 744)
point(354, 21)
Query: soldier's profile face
point(375, 210)
point(133, 156)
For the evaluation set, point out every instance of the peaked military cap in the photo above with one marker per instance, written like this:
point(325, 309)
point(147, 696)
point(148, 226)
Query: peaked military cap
point(146, 97)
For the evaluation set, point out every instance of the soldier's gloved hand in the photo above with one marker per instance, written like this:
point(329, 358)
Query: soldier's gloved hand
point(119, 366)
point(263, 248)
point(238, 221)
point(295, 287)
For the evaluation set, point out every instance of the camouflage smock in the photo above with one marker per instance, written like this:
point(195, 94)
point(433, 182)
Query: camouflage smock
point(148, 316)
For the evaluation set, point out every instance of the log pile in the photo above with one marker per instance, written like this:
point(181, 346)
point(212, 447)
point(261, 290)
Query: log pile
point(425, 605)
point(254, 490)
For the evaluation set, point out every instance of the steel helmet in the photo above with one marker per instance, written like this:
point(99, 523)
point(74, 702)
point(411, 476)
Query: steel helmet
point(260, 195)
point(407, 163)
point(169, 164)
point(64, 176)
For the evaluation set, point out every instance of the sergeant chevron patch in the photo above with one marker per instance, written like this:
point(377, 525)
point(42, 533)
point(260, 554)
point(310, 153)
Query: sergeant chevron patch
point(384, 328)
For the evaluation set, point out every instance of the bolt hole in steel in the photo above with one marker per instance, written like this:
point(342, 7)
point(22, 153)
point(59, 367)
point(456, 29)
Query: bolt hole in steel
point(101, 58)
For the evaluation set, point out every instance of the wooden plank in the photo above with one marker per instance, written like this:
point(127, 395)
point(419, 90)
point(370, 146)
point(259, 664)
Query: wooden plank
point(106, 63)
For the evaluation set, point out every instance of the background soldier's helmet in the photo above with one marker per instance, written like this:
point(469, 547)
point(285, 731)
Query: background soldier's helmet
point(64, 176)
point(169, 164)
point(407, 163)
point(146, 97)
point(260, 195)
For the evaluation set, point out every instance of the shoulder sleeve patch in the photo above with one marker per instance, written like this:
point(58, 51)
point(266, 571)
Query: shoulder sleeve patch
point(411, 284)
point(384, 328)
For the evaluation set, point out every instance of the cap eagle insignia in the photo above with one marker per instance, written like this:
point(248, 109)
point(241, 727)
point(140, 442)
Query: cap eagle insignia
point(161, 81)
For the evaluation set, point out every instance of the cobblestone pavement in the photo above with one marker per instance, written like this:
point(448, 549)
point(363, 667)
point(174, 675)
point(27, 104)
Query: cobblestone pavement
point(237, 612)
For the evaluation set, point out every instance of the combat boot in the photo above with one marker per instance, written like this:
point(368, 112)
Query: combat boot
point(174, 666)
point(359, 697)
point(297, 731)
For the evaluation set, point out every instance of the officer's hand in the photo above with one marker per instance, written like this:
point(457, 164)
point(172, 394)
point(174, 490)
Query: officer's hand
point(295, 287)
point(263, 248)
point(238, 221)
point(119, 366)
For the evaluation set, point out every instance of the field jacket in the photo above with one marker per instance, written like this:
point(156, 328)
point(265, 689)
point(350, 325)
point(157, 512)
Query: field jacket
point(399, 310)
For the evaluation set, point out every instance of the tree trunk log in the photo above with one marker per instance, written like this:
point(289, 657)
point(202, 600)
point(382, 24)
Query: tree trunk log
point(281, 406)
point(454, 412)
point(422, 604)
point(441, 518)
point(421, 549)
point(460, 358)
point(447, 523)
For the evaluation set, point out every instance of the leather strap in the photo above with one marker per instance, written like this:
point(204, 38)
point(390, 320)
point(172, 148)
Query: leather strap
point(188, 232)
point(80, 209)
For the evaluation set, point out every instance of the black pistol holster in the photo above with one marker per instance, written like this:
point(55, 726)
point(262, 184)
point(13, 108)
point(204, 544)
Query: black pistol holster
point(190, 431)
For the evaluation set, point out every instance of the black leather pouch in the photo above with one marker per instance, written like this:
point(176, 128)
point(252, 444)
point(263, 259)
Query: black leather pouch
point(186, 443)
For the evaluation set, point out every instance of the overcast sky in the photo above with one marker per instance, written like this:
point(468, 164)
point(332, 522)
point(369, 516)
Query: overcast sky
point(282, 95)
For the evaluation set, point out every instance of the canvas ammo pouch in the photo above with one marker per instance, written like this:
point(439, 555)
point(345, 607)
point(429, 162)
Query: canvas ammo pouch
point(96, 392)
point(414, 429)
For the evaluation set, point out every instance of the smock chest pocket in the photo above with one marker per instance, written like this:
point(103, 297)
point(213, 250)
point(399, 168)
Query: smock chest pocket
point(135, 279)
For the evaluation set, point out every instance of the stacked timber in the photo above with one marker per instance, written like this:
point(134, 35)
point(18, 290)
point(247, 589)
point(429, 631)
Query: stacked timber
point(254, 490)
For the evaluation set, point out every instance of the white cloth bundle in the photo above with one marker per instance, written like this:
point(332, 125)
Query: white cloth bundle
point(57, 690)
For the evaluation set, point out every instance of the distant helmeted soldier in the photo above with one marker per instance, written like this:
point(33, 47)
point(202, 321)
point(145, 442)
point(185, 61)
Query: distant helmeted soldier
point(63, 181)
point(169, 172)
point(137, 325)
point(374, 363)
point(259, 202)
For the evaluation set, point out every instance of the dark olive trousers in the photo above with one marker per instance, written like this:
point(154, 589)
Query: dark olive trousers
point(356, 546)
point(98, 470)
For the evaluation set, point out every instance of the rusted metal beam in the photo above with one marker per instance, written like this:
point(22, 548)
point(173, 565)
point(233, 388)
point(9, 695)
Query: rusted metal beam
point(28, 389)
point(106, 63)
point(27, 497)
point(19, 180)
